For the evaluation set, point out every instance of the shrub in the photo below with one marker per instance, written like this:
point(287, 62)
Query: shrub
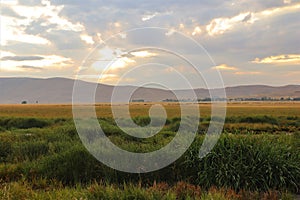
point(174, 126)
point(5, 150)
point(23, 123)
point(259, 119)
point(72, 166)
point(142, 121)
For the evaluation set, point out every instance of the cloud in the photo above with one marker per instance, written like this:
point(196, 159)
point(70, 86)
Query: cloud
point(8, 11)
point(114, 79)
point(16, 28)
point(115, 59)
point(248, 73)
point(87, 39)
point(6, 53)
point(65, 40)
point(279, 10)
point(287, 1)
point(225, 67)
point(21, 58)
point(12, 29)
point(15, 63)
point(234, 33)
point(197, 30)
point(142, 54)
point(221, 25)
point(121, 63)
point(51, 15)
point(26, 67)
point(109, 78)
point(9, 2)
point(155, 14)
point(148, 17)
point(291, 59)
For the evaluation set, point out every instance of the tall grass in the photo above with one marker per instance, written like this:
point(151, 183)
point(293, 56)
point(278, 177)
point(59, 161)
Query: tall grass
point(240, 162)
point(252, 163)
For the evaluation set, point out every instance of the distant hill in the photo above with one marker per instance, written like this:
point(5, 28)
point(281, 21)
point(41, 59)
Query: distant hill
point(59, 90)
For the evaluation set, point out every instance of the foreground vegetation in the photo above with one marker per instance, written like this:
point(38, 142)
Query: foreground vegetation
point(181, 190)
point(257, 157)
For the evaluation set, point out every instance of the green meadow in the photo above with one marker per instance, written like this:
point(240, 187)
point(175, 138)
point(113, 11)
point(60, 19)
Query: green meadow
point(256, 157)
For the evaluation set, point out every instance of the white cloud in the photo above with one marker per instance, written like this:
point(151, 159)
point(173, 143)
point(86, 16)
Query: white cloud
point(142, 54)
point(121, 63)
point(155, 14)
point(112, 58)
point(51, 14)
point(221, 25)
point(291, 59)
point(197, 30)
point(9, 2)
point(12, 30)
point(6, 53)
point(87, 39)
point(278, 10)
point(150, 16)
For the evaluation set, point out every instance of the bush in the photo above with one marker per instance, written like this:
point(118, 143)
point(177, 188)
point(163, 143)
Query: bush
point(259, 119)
point(23, 123)
point(72, 166)
point(5, 150)
point(142, 121)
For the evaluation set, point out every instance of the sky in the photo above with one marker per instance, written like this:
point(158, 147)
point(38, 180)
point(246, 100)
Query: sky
point(171, 43)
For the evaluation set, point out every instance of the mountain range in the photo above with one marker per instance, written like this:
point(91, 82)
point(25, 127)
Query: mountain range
point(60, 90)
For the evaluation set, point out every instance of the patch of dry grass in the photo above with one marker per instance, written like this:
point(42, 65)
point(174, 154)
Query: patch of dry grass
point(141, 109)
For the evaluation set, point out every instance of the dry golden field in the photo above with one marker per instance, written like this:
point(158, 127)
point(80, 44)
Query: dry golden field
point(141, 109)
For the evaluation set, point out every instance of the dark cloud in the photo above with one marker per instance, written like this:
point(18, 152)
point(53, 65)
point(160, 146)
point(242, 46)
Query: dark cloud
point(21, 58)
point(30, 67)
point(65, 40)
point(36, 27)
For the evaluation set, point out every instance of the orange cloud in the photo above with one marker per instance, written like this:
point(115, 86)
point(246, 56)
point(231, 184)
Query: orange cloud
point(225, 67)
point(248, 73)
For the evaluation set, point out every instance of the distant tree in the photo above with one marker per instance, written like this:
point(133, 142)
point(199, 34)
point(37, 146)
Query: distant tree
point(297, 99)
point(24, 102)
point(137, 100)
